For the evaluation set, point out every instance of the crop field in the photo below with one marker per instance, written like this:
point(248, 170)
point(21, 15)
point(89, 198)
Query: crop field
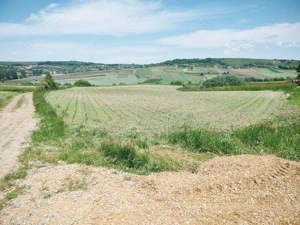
point(162, 74)
point(167, 74)
point(160, 109)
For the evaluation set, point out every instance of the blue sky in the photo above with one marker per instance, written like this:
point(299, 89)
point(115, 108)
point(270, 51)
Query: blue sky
point(147, 31)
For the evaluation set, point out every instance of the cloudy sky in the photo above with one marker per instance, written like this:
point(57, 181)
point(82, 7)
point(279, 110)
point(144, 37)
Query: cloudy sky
point(147, 31)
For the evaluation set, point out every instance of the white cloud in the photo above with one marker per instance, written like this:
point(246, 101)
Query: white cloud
point(100, 17)
point(281, 35)
point(67, 50)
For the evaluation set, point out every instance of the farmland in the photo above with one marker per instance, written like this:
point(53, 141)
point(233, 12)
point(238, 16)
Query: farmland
point(186, 71)
point(152, 109)
point(153, 112)
point(111, 135)
point(167, 74)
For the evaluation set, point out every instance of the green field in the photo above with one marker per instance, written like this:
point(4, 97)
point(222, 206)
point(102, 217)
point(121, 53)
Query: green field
point(154, 109)
point(167, 74)
point(161, 74)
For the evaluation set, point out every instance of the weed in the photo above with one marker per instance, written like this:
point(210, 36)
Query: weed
point(124, 155)
point(75, 184)
point(10, 195)
point(200, 140)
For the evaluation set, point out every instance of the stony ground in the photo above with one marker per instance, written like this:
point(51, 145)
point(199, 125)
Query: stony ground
point(226, 190)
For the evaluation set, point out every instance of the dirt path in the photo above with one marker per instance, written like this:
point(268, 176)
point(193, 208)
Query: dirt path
point(16, 123)
point(226, 190)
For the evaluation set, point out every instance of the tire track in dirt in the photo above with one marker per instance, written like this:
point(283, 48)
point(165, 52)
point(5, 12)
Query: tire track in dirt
point(244, 189)
point(16, 125)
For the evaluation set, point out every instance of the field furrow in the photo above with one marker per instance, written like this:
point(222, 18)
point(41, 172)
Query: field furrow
point(160, 109)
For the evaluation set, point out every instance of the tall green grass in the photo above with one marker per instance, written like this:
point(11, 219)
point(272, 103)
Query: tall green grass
point(124, 155)
point(248, 86)
point(280, 136)
point(201, 140)
point(51, 126)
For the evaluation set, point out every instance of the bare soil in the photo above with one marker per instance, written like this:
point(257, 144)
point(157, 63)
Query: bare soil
point(243, 189)
point(16, 124)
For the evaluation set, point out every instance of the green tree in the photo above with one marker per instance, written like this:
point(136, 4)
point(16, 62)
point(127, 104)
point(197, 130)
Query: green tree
point(48, 83)
point(298, 71)
point(82, 83)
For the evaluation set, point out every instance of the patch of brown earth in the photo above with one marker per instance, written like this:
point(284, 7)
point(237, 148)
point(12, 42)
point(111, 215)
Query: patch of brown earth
point(226, 190)
point(16, 124)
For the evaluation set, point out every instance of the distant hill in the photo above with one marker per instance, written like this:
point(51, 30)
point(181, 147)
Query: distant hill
point(235, 62)
point(20, 70)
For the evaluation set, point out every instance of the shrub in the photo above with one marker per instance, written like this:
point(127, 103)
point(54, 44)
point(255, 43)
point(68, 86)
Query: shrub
point(298, 71)
point(204, 141)
point(176, 82)
point(48, 83)
point(227, 80)
point(124, 155)
point(82, 83)
point(152, 81)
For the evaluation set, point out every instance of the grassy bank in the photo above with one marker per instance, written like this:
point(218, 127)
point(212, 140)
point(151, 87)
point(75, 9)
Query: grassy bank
point(280, 137)
point(249, 86)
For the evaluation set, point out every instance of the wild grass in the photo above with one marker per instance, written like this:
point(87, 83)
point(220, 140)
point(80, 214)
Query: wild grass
point(125, 156)
point(280, 136)
point(10, 195)
point(201, 140)
point(51, 126)
point(249, 86)
point(73, 184)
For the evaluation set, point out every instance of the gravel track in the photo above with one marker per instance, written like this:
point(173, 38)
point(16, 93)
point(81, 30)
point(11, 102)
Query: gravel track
point(16, 125)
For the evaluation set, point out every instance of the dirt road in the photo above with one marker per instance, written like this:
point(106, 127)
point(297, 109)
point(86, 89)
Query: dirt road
point(226, 190)
point(16, 124)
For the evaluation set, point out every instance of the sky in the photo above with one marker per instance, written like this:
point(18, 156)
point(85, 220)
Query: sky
point(148, 31)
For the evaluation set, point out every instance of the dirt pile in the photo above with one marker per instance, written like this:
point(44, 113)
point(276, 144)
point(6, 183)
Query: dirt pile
point(226, 190)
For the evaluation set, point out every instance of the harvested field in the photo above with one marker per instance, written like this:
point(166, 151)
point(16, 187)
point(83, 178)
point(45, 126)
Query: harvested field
point(161, 109)
point(226, 190)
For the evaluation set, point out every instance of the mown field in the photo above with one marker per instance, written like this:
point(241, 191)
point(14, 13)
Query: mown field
point(150, 109)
